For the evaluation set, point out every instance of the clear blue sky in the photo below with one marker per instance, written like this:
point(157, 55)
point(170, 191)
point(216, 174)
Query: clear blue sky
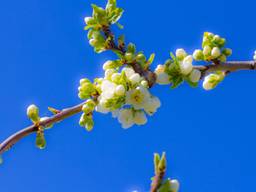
point(209, 137)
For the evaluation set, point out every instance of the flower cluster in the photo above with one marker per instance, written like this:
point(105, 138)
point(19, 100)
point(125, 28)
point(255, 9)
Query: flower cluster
point(126, 95)
point(178, 69)
point(213, 49)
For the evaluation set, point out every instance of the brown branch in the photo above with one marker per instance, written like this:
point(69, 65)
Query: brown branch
point(13, 139)
point(230, 66)
point(157, 180)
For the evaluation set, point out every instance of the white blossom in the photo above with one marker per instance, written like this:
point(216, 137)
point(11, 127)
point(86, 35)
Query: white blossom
point(207, 50)
point(153, 103)
point(140, 118)
point(138, 97)
point(125, 117)
point(162, 78)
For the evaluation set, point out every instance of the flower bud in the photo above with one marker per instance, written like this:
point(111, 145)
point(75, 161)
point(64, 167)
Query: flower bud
point(135, 78)
point(215, 53)
point(33, 113)
point(223, 58)
point(207, 50)
point(120, 90)
point(212, 80)
point(198, 55)
point(186, 65)
point(227, 52)
point(40, 141)
point(109, 73)
point(115, 77)
point(141, 58)
point(174, 185)
point(163, 78)
point(89, 106)
point(144, 83)
point(128, 57)
point(180, 53)
point(88, 20)
point(89, 124)
point(195, 76)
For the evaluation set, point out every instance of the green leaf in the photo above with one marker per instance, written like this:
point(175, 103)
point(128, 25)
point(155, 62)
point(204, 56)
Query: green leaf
point(176, 81)
point(119, 26)
point(151, 58)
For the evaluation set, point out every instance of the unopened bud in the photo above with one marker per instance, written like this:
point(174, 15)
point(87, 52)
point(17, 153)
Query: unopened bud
point(33, 113)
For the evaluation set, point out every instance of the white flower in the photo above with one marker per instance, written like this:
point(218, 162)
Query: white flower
point(174, 185)
point(128, 71)
point(152, 105)
point(108, 89)
point(180, 53)
point(125, 117)
point(195, 76)
point(254, 57)
point(207, 50)
point(135, 78)
point(186, 65)
point(140, 118)
point(101, 105)
point(137, 97)
point(120, 90)
point(159, 69)
point(215, 52)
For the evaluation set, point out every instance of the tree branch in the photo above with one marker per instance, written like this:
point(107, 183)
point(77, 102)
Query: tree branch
point(63, 114)
point(231, 66)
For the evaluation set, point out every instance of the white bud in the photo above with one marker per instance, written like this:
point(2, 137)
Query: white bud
point(140, 118)
point(135, 78)
point(107, 65)
point(207, 50)
point(195, 76)
point(163, 79)
point(174, 185)
point(144, 83)
point(215, 52)
point(115, 77)
point(128, 71)
point(109, 73)
point(180, 53)
point(159, 69)
point(198, 55)
point(186, 65)
point(120, 90)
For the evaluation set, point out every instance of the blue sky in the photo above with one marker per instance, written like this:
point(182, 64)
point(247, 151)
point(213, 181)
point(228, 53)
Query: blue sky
point(209, 137)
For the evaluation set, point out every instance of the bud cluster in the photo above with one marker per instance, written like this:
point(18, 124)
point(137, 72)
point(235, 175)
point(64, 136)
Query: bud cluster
point(177, 70)
point(213, 49)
